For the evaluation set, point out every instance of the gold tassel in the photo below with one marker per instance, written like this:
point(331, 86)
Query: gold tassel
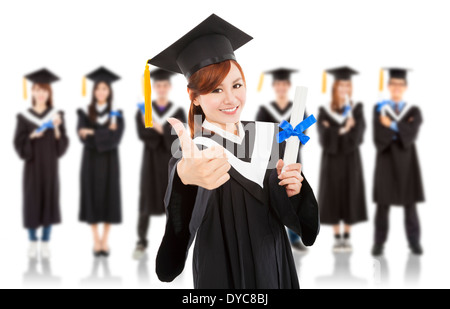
point(261, 81)
point(83, 86)
point(24, 85)
point(324, 82)
point(148, 98)
point(381, 86)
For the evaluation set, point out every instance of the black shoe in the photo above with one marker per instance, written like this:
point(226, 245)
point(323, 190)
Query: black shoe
point(377, 250)
point(105, 253)
point(97, 254)
point(416, 249)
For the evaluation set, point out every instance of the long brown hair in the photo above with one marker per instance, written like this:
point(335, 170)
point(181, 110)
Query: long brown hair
point(92, 105)
point(204, 81)
point(48, 88)
point(335, 97)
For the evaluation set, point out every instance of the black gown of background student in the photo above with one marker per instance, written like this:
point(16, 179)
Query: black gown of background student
point(264, 115)
point(40, 176)
point(157, 153)
point(398, 179)
point(100, 171)
point(341, 190)
point(241, 240)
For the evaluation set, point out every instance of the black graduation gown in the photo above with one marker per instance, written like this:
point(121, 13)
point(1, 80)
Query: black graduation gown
point(398, 179)
point(267, 115)
point(341, 189)
point(157, 153)
point(239, 227)
point(100, 200)
point(40, 176)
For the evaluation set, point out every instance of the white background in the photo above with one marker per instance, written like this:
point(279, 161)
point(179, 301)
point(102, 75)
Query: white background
point(74, 38)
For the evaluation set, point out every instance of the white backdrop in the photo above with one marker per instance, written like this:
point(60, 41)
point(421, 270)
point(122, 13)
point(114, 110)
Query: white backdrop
point(74, 38)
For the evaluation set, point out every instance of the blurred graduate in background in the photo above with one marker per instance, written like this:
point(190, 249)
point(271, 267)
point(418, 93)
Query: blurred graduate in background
point(158, 142)
point(40, 140)
point(341, 128)
point(398, 179)
point(277, 111)
point(100, 128)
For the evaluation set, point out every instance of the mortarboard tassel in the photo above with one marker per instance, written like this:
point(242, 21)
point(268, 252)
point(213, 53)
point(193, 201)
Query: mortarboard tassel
point(83, 87)
point(24, 85)
point(380, 87)
point(148, 98)
point(261, 81)
point(324, 82)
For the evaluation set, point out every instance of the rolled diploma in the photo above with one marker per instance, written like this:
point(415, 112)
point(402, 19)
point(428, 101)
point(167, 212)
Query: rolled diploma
point(298, 112)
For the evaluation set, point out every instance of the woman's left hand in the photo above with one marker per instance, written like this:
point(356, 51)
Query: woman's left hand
point(291, 178)
point(113, 126)
point(57, 121)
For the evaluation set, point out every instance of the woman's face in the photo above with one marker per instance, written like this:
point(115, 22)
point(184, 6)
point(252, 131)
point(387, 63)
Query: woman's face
point(344, 88)
point(102, 92)
point(224, 105)
point(40, 95)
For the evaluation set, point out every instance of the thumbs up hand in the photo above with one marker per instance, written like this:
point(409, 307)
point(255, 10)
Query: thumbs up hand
point(204, 168)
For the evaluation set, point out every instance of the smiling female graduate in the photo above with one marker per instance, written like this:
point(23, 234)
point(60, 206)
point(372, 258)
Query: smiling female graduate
point(225, 186)
point(40, 140)
point(100, 128)
point(158, 142)
point(342, 197)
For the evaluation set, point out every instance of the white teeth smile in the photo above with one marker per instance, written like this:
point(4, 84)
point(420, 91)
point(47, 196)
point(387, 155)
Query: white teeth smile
point(229, 110)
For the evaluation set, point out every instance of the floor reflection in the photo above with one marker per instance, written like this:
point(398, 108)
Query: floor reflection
point(381, 271)
point(33, 276)
point(142, 271)
point(298, 257)
point(95, 280)
point(342, 275)
point(413, 270)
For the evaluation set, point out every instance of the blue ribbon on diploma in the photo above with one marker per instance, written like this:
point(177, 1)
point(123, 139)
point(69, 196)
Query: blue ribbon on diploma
point(45, 126)
point(115, 114)
point(347, 110)
point(141, 106)
point(288, 131)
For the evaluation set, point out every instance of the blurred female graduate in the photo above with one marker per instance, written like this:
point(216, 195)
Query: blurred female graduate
point(100, 128)
point(226, 187)
point(40, 140)
point(341, 127)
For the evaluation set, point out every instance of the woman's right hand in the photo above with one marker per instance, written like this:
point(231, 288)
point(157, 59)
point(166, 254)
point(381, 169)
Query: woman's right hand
point(84, 132)
point(35, 134)
point(204, 168)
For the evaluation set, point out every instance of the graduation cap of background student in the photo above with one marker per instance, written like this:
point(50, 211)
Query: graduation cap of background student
point(213, 41)
point(280, 74)
point(42, 76)
point(101, 74)
point(400, 73)
point(340, 73)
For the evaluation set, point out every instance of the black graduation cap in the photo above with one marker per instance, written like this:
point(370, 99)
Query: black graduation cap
point(281, 73)
point(42, 76)
point(213, 41)
point(400, 73)
point(342, 73)
point(102, 74)
point(160, 74)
